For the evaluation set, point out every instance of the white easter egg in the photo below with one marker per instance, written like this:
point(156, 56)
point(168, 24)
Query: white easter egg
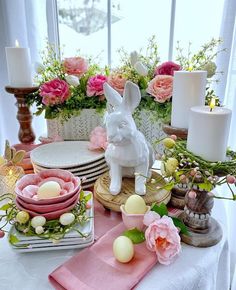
point(67, 218)
point(49, 189)
point(135, 204)
point(123, 249)
point(38, 221)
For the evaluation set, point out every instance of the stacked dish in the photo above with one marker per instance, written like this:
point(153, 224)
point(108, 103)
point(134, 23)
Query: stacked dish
point(73, 156)
point(27, 198)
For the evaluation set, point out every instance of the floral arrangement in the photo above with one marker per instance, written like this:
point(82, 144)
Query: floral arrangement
point(155, 79)
point(161, 234)
point(53, 230)
point(66, 86)
point(189, 171)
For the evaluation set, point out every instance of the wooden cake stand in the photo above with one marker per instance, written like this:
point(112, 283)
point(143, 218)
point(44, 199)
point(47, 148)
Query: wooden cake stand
point(113, 202)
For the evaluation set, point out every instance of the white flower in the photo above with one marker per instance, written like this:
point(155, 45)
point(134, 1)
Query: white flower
point(133, 57)
point(141, 68)
point(39, 230)
point(72, 80)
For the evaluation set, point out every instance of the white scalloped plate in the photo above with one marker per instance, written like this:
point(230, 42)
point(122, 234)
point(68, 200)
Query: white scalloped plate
point(65, 154)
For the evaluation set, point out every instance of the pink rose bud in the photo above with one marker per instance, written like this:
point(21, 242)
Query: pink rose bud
point(174, 137)
point(192, 194)
point(231, 179)
point(193, 172)
point(183, 178)
point(2, 234)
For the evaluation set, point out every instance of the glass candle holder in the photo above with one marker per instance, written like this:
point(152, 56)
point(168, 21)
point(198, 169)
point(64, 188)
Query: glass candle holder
point(9, 174)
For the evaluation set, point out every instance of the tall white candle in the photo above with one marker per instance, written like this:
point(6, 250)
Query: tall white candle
point(188, 91)
point(19, 66)
point(208, 132)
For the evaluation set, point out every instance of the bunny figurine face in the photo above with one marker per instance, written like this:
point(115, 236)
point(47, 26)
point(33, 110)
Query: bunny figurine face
point(120, 128)
point(127, 152)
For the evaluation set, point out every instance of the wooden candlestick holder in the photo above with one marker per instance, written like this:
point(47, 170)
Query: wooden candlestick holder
point(24, 116)
point(203, 230)
point(177, 193)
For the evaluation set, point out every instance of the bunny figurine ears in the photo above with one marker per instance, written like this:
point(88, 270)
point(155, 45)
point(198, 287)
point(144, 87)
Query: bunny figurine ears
point(130, 100)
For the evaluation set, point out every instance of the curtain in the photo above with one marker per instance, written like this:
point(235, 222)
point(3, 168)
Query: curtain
point(226, 89)
point(24, 20)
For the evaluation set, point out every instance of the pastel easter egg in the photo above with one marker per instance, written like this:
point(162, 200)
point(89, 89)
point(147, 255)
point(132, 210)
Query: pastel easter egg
point(135, 204)
point(123, 249)
point(49, 189)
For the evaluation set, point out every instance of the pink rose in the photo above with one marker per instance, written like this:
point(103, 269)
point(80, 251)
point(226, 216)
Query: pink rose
point(167, 68)
point(117, 81)
point(163, 238)
point(54, 92)
point(161, 88)
point(75, 66)
point(95, 85)
point(150, 217)
point(98, 139)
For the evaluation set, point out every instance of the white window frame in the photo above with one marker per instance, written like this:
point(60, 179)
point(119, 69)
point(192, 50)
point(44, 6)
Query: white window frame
point(53, 27)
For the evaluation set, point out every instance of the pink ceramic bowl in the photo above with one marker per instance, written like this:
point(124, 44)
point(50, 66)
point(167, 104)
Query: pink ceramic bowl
point(27, 187)
point(133, 220)
point(51, 215)
point(46, 208)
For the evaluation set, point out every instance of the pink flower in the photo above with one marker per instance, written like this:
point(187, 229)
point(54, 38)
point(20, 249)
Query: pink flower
point(95, 85)
point(167, 68)
point(117, 81)
point(98, 139)
point(54, 92)
point(75, 66)
point(161, 88)
point(150, 217)
point(163, 238)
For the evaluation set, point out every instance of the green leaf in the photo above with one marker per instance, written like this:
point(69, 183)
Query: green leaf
point(179, 224)
point(88, 197)
point(168, 186)
point(81, 196)
point(205, 186)
point(13, 239)
point(161, 209)
point(5, 207)
point(135, 235)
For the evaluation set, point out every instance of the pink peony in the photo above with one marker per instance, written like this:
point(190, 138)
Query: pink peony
point(161, 88)
point(167, 68)
point(75, 66)
point(163, 238)
point(54, 92)
point(98, 139)
point(95, 85)
point(117, 81)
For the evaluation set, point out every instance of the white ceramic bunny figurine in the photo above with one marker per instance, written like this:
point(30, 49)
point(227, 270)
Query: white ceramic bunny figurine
point(128, 151)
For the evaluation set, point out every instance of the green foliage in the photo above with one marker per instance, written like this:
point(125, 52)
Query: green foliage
point(53, 229)
point(135, 235)
point(179, 224)
point(160, 209)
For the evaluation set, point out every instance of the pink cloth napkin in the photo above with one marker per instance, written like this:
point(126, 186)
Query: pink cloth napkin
point(96, 267)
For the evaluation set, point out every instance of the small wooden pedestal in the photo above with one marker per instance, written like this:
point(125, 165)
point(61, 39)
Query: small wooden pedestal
point(26, 134)
point(177, 196)
point(113, 202)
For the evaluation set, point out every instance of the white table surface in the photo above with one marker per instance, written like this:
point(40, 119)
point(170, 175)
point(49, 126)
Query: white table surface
point(195, 268)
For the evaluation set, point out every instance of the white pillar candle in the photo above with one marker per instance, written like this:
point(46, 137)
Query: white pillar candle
point(189, 90)
point(19, 66)
point(208, 132)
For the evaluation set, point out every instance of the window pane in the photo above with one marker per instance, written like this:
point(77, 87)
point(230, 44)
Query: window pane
point(83, 26)
point(197, 22)
point(139, 20)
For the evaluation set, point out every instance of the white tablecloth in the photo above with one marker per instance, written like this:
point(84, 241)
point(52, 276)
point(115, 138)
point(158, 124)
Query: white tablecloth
point(195, 269)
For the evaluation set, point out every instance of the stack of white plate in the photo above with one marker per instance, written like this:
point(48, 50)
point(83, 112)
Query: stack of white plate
point(73, 156)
